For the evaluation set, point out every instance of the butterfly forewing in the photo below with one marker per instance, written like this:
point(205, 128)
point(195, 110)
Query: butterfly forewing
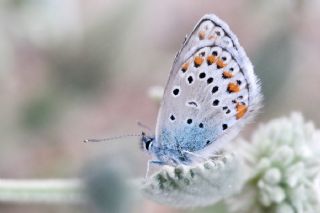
point(211, 91)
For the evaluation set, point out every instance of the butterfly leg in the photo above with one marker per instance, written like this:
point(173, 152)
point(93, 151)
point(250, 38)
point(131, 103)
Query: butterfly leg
point(152, 162)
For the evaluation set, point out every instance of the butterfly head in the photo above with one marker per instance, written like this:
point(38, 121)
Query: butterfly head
point(146, 141)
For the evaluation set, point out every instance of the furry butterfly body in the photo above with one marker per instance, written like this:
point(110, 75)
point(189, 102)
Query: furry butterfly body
point(211, 93)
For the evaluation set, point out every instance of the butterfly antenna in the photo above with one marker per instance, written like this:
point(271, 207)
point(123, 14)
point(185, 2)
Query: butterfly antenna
point(144, 126)
point(111, 138)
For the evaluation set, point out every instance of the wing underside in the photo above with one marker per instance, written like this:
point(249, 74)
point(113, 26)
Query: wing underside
point(211, 90)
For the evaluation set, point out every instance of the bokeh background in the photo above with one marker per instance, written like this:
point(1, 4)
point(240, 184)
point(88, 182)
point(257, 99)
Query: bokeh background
point(75, 69)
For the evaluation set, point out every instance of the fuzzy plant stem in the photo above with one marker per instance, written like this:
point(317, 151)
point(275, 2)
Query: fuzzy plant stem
point(41, 191)
point(201, 184)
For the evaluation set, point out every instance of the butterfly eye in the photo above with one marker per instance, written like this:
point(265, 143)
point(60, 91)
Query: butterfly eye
point(147, 144)
point(218, 31)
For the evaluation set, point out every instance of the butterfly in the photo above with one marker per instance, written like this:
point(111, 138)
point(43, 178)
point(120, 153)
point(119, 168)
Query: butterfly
point(211, 93)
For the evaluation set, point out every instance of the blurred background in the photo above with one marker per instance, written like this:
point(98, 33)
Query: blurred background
point(75, 69)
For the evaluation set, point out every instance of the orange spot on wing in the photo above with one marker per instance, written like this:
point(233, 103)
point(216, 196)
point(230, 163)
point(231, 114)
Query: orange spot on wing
point(241, 110)
point(233, 87)
point(220, 63)
point(202, 35)
point(212, 37)
point(198, 61)
point(211, 59)
point(185, 67)
point(227, 74)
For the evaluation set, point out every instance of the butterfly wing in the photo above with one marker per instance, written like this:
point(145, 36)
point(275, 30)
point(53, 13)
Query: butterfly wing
point(211, 93)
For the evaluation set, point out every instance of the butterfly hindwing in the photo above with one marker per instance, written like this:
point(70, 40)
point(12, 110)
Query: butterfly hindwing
point(211, 91)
